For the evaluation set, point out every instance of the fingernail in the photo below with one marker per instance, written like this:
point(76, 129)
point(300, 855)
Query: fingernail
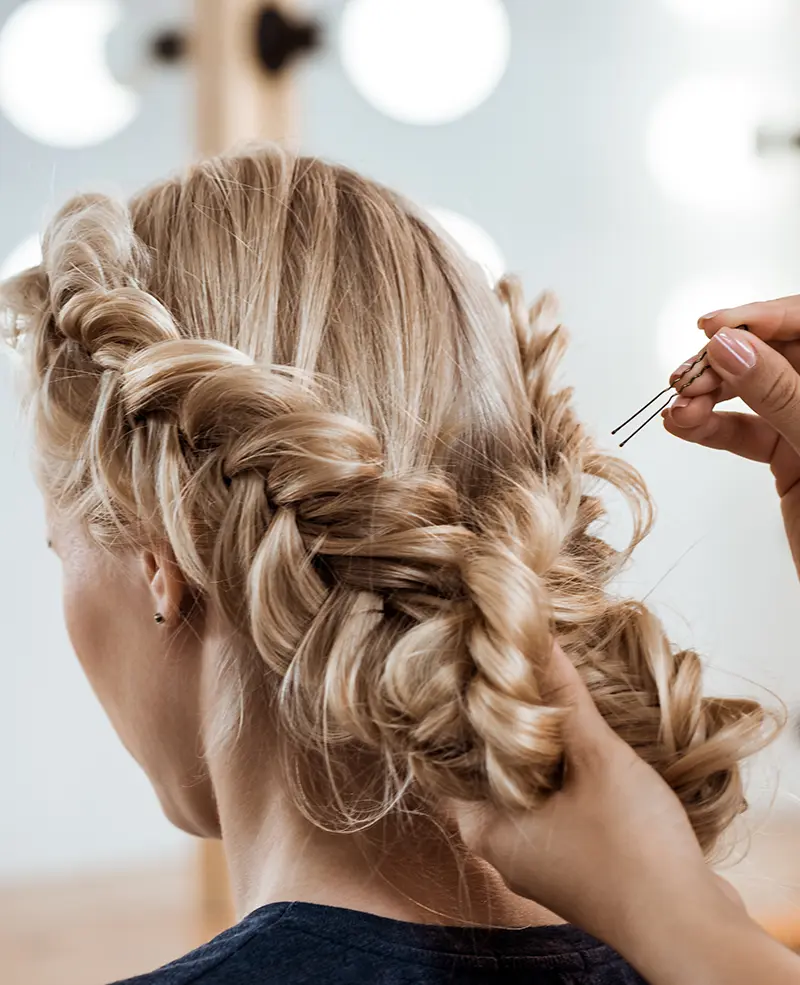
point(681, 402)
point(732, 354)
point(710, 315)
point(683, 368)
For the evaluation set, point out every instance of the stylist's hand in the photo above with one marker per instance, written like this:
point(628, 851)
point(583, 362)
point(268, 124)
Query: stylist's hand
point(614, 853)
point(760, 366)
point(609, 846)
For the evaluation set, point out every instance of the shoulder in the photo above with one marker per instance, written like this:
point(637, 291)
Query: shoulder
point(300, 943)
point(231, 958)
point(280, 943)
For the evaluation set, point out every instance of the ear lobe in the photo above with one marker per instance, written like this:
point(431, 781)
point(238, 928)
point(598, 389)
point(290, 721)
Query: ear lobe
point(166, 582)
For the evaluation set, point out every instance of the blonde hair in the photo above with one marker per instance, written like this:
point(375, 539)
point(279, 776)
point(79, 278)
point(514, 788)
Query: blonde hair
point(355, 449)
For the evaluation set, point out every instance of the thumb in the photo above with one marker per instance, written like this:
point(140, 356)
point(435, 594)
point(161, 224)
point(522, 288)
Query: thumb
point(586, 732)
point(758, 374)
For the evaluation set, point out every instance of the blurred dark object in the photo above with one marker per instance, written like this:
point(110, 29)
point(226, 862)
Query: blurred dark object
point(772, 140)
point(280, 40)
point(169, 46)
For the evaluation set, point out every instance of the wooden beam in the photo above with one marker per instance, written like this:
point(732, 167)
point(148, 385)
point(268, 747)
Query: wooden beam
point(215, 910)
point(237, 100)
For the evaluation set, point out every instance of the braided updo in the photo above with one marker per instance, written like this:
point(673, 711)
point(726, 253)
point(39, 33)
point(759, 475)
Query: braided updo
point(357, 454)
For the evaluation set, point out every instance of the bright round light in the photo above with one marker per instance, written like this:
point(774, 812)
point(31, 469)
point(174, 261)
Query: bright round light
point(425, 61)
point(27, 254)
point(724, 13)
point(473, 240)
point(55, 85)
point(701, 143)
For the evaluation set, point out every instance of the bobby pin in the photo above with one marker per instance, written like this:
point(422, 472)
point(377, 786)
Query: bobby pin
point(678, 386)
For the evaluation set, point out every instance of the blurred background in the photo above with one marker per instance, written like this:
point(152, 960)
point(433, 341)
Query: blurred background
point(639, 157)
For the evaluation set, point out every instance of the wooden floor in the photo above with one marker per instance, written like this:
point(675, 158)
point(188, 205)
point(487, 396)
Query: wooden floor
point(768, 878)
point(94, 930)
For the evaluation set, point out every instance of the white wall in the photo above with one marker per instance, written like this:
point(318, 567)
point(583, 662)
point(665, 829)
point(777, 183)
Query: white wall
point(70, 795)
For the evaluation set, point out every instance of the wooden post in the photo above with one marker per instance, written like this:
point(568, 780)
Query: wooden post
point(216, 910)
point(237, 101)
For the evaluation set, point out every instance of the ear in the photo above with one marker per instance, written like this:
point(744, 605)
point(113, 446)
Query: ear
point(168, 587)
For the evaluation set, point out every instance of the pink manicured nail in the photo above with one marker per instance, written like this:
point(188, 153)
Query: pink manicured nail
point(710, 315)
point(732, 354)
point(681, 402)
point(683, 368)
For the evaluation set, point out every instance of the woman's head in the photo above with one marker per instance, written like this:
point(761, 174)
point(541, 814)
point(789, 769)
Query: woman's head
point(274, 405)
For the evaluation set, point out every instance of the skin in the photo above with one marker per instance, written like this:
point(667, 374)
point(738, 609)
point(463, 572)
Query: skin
point(156, 684)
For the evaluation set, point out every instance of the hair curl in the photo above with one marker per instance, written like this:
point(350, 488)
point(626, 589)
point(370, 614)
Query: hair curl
point(357, 454)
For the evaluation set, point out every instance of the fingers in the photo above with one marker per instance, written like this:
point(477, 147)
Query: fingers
point(790, 352)
point(560, 682)
point(719, 393)
point(562, 686)
point(689, 413)
point(743, 434)
point(769, 320)
point(762, 377)
point(696, 381)
point(694, 377)
point(587, 736)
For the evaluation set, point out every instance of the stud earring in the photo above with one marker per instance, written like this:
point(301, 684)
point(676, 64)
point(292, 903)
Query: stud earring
point(158, 618)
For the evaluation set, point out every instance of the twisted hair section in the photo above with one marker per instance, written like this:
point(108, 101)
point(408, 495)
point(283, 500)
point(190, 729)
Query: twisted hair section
point(360, 456)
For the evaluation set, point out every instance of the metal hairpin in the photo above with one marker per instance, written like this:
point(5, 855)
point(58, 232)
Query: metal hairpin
point(680, 384)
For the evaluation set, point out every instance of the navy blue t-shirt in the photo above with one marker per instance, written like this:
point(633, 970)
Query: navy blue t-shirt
point(293, 943)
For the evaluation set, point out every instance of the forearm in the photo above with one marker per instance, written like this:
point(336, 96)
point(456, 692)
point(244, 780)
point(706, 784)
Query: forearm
point(703, 940)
